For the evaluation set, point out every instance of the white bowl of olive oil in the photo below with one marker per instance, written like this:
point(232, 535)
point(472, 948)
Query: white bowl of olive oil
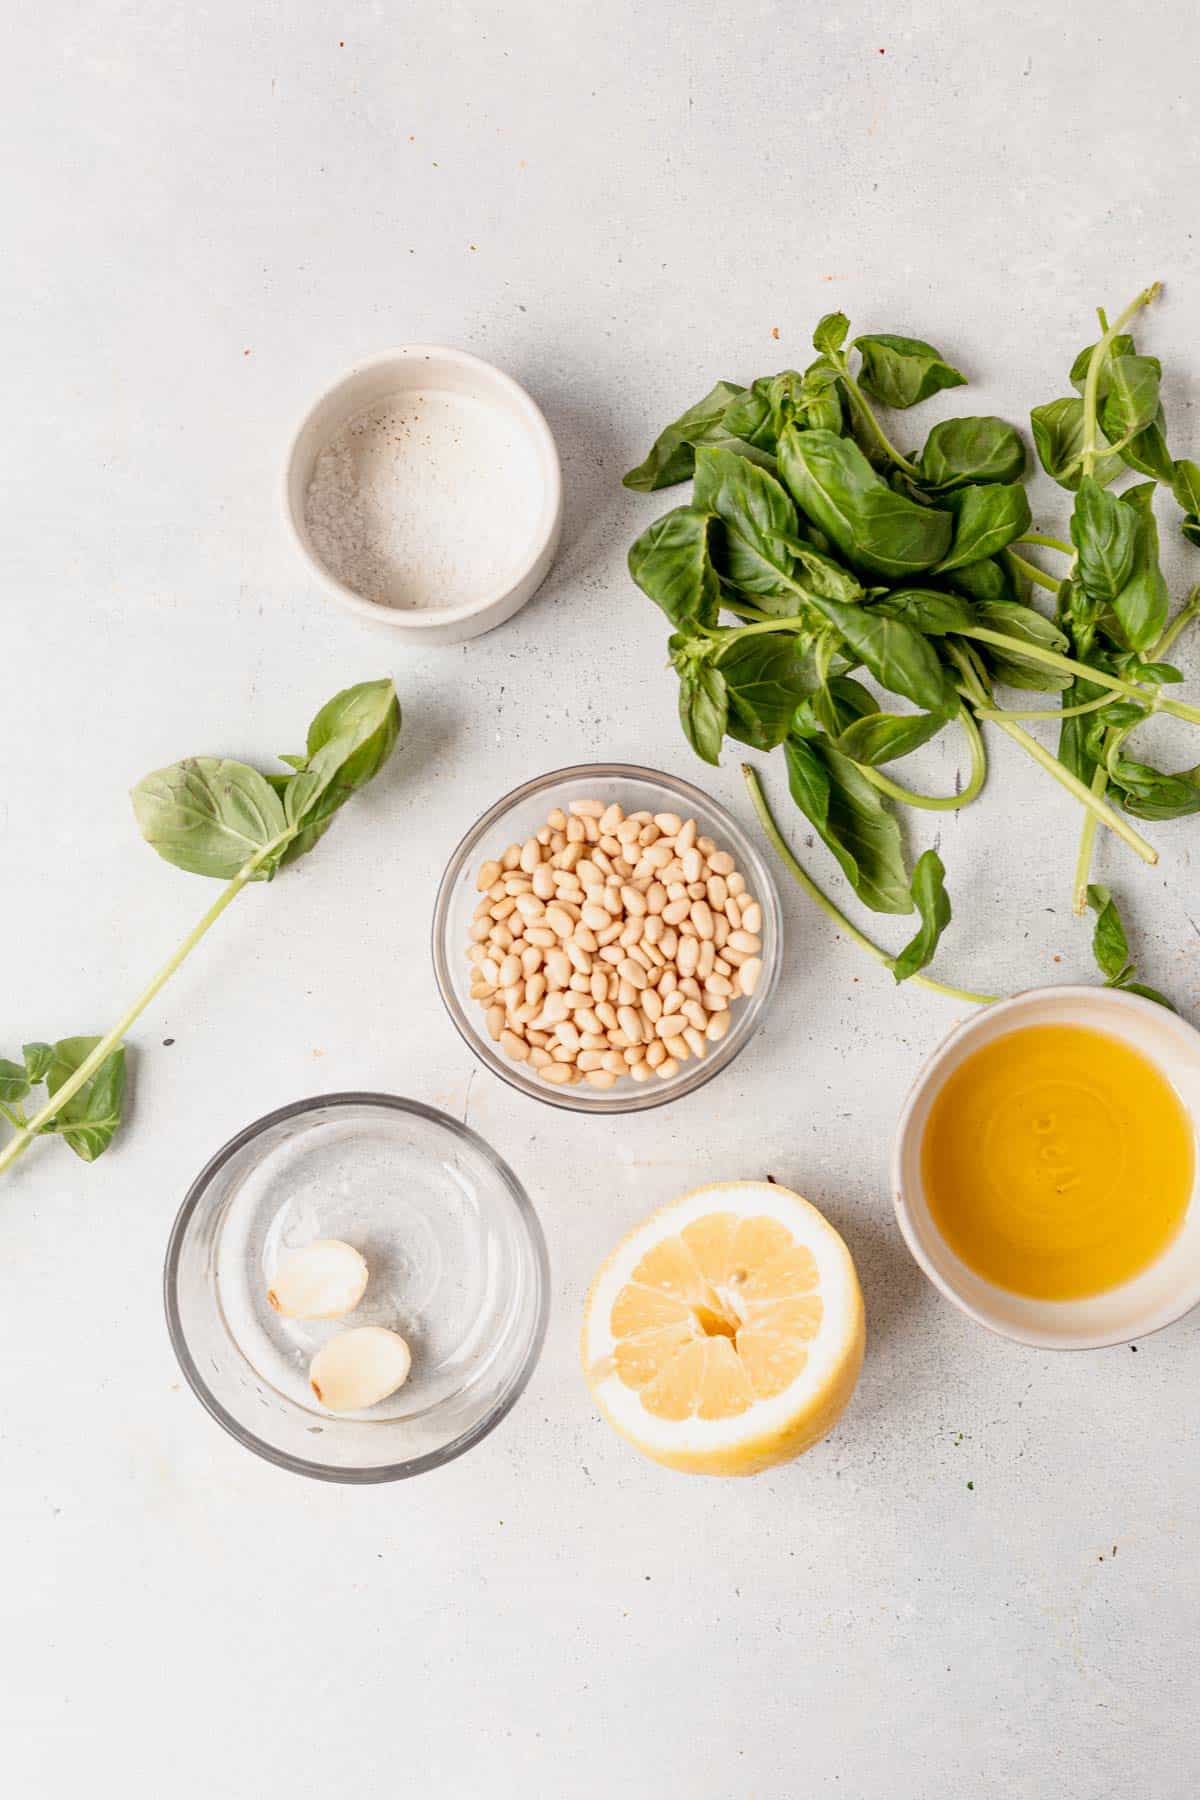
point(1045, 1169)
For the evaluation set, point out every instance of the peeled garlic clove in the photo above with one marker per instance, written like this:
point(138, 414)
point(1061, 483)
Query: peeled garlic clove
point(358, 1368)
point(322, 1281)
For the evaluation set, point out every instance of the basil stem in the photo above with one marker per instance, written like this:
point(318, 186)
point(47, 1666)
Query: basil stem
point(940, 802)
point(783, 850)
point(87, 1068)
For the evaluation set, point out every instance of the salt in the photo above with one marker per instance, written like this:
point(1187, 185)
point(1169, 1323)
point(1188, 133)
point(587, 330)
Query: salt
point(426, 500)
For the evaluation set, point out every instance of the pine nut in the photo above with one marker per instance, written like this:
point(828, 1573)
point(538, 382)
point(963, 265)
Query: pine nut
point(748, 975)
point(606, 945)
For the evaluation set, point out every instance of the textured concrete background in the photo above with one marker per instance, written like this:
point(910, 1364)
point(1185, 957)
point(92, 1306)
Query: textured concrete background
point(209, 213)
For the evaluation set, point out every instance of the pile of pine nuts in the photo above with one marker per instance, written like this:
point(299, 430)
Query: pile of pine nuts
point(607, 946)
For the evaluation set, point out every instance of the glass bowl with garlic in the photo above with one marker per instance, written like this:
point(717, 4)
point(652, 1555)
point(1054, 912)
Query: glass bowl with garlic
point(356, 1288)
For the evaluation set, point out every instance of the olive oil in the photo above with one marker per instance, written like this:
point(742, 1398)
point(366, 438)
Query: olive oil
point(1058, 1162)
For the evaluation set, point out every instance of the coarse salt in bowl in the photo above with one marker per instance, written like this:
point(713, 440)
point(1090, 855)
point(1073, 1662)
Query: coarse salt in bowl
point(423, 489)
point(518, 816)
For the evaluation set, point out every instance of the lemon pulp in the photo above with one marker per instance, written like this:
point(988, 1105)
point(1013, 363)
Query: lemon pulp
point(1057, 1162)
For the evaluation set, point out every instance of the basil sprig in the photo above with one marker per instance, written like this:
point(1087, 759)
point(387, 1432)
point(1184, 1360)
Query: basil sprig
point(220, 818)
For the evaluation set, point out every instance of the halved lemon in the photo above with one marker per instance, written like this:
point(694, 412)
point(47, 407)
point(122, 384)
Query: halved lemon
point(726, 1333)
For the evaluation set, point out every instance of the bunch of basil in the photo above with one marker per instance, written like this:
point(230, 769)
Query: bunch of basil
point(839, 554)
point(215, 817)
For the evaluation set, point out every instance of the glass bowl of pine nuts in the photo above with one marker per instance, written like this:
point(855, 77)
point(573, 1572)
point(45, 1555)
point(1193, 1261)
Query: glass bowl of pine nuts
point(606, 938)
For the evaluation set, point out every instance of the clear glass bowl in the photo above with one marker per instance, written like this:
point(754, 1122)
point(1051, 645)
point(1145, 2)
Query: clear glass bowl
point(518, 816)
point(457, 1265)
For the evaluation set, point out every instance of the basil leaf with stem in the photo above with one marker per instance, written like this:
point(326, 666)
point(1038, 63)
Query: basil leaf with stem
point(986, 580)
point(672, 457)
point(902, 371)
point(873, 526)
point(933, 904)
point(672, 565)
point(208, 815)
point(1109, 944)
point(1111, 949)
point(986, 519)
point(1059, 436)
point(215, 826)
point(758, 517)
point(831, 332)
point(849, 815)
point(87, 1118)
point(965, 451)
point(804, 880)
point(1104, 534)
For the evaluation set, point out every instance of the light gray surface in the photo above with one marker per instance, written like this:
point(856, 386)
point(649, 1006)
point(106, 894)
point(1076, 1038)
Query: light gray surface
point(208, 215)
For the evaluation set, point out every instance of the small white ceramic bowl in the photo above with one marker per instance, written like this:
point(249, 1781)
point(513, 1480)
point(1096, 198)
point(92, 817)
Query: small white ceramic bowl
point(525, 526)
point(1158, 1296)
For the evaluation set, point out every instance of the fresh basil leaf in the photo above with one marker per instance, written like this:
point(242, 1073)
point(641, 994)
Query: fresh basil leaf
point(883, 737)
point(764, 683)
point(1132, 399)
point(831, 332)
point(1030, 627)
point(871, 524)
point(1142, 605)
point(703, 710)
point(900, 371)
point(349, 741)
point(835, 706)
point(1073, 749)
point(933, 904)
point(1190, 527)
point(821, 574)
point(1058, 439)
point(673, 457)
point(1150, 793)
point(14, 1081)
point(1109, 944)
point(932, 613)
point(1105, 534)
point(899, 658)
point(1147, 452)
point(671, 563)
point(988, 579)
point(985, 520)
point(758, 517)
point(963, 451)
point(90, 1117)
point(750, 416)
point(38, 1058)
point(209, 815)
point(1185, 484)
point(853, 821)
point(1121, 345)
